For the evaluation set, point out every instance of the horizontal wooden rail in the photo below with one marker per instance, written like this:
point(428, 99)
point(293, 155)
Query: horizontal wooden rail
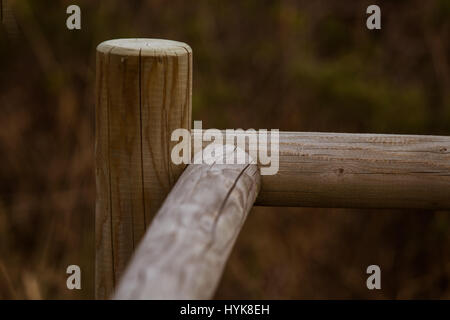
point(359, 171)
point(185, 249)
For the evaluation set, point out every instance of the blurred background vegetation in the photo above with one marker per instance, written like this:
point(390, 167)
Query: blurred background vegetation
point(291, 65)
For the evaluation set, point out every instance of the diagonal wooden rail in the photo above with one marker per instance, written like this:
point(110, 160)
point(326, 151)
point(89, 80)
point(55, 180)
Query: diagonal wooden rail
point(144, 89)
point(185, 249)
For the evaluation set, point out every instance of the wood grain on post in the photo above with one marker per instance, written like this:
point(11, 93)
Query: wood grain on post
point(359, 171)
point(184, 251)
point(144, 92)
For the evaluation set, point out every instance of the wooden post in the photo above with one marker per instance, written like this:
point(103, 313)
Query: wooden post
point(184, 251)
point(144, 91)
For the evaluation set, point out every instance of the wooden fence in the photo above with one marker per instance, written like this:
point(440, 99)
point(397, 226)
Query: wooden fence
point(194, 214)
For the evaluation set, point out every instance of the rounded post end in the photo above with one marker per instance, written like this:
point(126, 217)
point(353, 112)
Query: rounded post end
point(144, 47)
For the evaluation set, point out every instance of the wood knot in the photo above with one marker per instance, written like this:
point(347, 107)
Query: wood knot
point(340, 171)
point(443, 149)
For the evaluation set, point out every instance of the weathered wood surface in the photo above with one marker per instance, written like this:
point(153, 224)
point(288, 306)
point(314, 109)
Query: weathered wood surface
point(185, 249)
point(144, 91)
point(359, 171)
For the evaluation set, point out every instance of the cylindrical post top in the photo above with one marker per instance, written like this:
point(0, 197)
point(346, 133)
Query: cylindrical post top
point(144, 47)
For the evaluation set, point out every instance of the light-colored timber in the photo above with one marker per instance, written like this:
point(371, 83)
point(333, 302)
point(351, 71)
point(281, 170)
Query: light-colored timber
point(144, 92)
point(185, 249)
point(358, 171)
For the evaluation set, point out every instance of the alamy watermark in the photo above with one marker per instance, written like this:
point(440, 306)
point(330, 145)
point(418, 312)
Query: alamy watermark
point(73, 22)
point(74, 279)
point(248, 146)
point(374, 280)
